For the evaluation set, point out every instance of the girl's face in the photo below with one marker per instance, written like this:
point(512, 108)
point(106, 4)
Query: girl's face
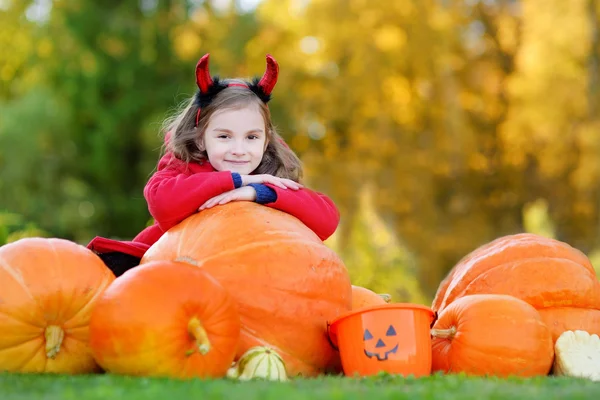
point(235, 139)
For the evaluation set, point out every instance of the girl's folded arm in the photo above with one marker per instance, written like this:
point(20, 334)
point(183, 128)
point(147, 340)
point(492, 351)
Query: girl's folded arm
point(316, 210)
point(173, 195)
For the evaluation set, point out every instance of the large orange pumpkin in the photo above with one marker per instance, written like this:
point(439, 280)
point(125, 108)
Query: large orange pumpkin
point(287, 283)
point(165, 319)
point(555, 278)
point(47, 290)
point(491, 335)
point(363, 297)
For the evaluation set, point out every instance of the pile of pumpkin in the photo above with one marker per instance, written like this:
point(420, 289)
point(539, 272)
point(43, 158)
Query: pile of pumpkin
point(205, 301)
point(520, 305)
point(211, 301)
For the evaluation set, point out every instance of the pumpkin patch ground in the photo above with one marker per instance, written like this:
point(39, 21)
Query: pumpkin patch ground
point(435, 387)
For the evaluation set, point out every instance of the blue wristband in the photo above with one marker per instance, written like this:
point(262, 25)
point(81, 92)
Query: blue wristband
point(237, 179)
point(264, 194)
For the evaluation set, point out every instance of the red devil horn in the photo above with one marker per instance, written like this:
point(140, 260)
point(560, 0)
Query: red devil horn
point(269, 79)
point(203, 79)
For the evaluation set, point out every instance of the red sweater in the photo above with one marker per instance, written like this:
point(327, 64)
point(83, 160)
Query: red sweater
point(177, 190)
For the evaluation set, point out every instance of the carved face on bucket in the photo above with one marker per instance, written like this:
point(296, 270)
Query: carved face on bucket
point(380, 344)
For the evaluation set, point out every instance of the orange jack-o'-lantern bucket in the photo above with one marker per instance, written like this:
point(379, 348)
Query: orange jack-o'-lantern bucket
point(394, 338)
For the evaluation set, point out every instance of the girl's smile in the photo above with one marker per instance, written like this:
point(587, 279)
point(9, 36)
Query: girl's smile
point(237, 162)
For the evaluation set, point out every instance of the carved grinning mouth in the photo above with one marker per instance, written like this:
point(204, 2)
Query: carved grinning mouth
point(385, 355)
point(368, 336)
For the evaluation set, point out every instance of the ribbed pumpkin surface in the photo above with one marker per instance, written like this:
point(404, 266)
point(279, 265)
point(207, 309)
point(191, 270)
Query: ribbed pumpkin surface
point(491, 335)
point(286, 282)
point(48, 288)
point(555, 278)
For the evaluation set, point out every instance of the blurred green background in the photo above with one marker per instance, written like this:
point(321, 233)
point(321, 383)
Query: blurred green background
point(436, 126)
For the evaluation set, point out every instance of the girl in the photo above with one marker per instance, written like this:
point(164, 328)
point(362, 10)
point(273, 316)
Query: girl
point(223, 147)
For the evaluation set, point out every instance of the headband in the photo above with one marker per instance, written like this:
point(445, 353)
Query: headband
point(209, 87)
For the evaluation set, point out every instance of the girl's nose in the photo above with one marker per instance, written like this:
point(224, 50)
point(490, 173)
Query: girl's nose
point(239, 147)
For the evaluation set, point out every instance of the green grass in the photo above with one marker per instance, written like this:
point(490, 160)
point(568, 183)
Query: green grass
point(109, 387)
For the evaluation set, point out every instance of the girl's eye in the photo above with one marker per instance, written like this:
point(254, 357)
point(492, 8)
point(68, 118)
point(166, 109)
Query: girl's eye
point(252, 137)
point(222, 136)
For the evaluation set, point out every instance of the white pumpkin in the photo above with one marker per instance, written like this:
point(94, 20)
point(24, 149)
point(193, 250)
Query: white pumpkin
point(577, 354)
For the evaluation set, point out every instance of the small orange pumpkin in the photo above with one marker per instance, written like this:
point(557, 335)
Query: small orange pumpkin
point(286, 281)
point(548, 274)
point(491, 335)
point(47, 290)
point(165, 319)
point(363, 297)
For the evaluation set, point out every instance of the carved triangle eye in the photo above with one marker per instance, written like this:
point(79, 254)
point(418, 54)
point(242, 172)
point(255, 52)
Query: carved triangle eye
point(367, 335)
point(391, 331)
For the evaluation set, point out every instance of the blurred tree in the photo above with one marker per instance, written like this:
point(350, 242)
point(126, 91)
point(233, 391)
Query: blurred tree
point(552, 130)
point(435, 126)
point(14, 227)
point(408, 96)
point(416, 96)
point(375, 257)
point(17, 48)
point(106, 75)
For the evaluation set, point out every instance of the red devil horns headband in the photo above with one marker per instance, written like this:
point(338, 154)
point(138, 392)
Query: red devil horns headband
point(209, 87)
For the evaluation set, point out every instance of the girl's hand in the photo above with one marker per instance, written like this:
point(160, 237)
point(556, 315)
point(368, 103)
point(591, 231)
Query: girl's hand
point(273, 180)
point(244, 193)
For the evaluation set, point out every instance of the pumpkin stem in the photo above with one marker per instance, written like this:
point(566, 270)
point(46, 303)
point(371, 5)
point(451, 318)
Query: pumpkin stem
point(54, 337)
point(444, 333)
point(198, 332)
point(386, 297)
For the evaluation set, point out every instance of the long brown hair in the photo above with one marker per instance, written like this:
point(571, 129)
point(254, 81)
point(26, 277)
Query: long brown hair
point(278, 160)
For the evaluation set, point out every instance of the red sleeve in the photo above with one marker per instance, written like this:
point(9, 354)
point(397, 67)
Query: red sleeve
point(315, 210)
point(174, 192)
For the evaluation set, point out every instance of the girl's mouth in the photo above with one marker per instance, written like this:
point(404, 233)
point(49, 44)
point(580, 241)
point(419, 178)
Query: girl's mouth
point(237, 162)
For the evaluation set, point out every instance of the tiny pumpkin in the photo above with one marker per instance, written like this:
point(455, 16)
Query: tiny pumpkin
point(165, 319)
point(491, 334)
point(260, 362)
point(48, 287)
point(363, 297)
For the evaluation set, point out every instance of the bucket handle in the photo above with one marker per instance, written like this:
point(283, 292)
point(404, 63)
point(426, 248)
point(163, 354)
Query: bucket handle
point(329, 338)
point(434, 319)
